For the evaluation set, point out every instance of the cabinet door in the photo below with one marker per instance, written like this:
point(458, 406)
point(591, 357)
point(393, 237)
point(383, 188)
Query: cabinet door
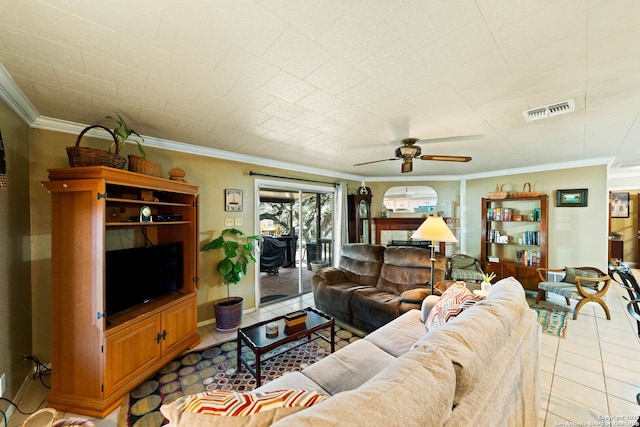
point(528, 277)
point(179, 324)
point(130, 352)
point(77, 257)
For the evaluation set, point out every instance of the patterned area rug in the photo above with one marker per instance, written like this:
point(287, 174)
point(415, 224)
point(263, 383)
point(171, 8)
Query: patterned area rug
point(553, 322)
point(214, 368)
point(554, 318)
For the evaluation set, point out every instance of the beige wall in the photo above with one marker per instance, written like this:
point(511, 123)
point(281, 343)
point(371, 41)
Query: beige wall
point(15, 280)
point(210, 174)
point(25, 299)
point(577, 235)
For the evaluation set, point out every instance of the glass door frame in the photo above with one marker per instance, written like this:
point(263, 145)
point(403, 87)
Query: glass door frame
point(300, 188)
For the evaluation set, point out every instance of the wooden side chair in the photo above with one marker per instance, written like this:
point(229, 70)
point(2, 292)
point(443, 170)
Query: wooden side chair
point(584, 284)
point(630, 284)
point(463, 267)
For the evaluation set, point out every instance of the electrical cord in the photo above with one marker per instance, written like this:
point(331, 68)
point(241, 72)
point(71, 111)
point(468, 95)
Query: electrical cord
point(148, 241)
point(12, 403)
point(42, 369)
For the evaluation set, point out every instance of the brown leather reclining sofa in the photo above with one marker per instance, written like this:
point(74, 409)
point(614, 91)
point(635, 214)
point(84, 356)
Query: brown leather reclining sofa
point(373, 285)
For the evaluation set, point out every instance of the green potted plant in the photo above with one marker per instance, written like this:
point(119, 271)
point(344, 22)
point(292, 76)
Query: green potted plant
point(123, 132)
point(239, 250)
point(486, 281)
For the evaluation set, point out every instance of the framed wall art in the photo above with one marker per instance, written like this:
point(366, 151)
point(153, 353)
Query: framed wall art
point(232, 200)
point(572, 198)
point(619, 205)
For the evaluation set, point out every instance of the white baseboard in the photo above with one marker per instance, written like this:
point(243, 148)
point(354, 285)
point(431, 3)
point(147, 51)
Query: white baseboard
point(21, 392)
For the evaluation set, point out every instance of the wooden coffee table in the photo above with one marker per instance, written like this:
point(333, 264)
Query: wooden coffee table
point(255, 337)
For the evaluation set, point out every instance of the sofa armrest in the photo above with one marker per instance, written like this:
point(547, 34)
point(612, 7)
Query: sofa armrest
point(428, 303)
point(330, 274)
point(415, 296)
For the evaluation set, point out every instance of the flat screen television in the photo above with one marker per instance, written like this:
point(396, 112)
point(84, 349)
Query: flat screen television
point(138, 275)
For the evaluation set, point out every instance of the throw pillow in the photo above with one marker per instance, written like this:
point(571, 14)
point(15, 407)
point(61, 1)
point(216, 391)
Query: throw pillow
point(571, 274)
point(454, 301)
point(205, 408)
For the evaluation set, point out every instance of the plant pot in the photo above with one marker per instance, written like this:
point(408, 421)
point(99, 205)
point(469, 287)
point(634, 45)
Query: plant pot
point(228, 313)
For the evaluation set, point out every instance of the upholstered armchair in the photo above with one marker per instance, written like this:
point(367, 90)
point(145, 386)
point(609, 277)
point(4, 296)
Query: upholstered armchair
point(583, 284)
point(463, 267)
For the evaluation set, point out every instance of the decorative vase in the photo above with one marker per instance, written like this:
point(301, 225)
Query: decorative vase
point(485, 286)
point(228, 313)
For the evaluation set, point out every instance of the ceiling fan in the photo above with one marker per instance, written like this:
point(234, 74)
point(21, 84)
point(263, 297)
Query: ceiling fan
point(409, 151)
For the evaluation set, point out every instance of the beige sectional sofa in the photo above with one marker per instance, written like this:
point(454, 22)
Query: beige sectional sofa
point(478, 369)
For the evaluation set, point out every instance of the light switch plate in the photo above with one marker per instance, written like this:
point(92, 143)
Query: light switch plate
point(238, 221)
point(228, 222)
point(3, 384)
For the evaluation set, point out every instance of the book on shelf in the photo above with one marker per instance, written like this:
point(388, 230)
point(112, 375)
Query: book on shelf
point(531, 238)
point(493, 259)
point(500, 214)
point(529, 258)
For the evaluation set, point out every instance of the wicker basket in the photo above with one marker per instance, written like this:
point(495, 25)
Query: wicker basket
point(147, 167)
point(84, 156)
point(526, 192)
point(498, 194)
point(50, 420)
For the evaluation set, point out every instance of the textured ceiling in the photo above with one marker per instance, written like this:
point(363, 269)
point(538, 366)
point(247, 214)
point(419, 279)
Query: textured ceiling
point(327, 84)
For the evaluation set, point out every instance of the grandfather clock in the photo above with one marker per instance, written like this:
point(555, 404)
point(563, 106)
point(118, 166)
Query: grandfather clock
point(360, 216)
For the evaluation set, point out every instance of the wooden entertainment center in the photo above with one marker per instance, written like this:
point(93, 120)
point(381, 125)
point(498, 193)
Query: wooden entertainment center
point(98, 357)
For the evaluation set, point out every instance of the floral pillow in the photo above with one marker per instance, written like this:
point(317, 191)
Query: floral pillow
point(454, 301)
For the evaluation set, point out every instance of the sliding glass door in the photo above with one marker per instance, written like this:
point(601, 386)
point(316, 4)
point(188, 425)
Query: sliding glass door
point(296, 222)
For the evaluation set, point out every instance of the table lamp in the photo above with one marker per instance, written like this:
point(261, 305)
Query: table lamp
point(436, 230)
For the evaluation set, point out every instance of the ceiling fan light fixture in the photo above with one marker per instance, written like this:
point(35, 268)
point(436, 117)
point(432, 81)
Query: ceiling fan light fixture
point(407, 151)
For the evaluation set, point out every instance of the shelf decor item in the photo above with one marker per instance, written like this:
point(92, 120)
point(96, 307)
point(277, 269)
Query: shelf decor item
point(86, 156)
point(498, 194)
point(138, 164)
point(145, 166)
point(526, 192)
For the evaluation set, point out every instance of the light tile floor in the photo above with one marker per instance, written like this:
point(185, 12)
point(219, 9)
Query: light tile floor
point(589, 377)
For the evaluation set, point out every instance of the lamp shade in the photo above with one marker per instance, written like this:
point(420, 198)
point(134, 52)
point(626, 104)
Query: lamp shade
point(434, 229)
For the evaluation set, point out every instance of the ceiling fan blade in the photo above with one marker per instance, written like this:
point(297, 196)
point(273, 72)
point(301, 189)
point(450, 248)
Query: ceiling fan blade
point(450, 139)
point(407, 164)
point(442, 158)
point(374, 161)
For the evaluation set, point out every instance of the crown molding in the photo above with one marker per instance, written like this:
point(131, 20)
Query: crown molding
point(599, 161)
point(11, 94)
point(48, 123)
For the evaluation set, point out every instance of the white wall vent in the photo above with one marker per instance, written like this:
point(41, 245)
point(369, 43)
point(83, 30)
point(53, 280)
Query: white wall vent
point(549, 111)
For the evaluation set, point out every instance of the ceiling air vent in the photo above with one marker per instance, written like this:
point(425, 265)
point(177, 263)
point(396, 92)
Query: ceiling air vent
point(549, 111)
